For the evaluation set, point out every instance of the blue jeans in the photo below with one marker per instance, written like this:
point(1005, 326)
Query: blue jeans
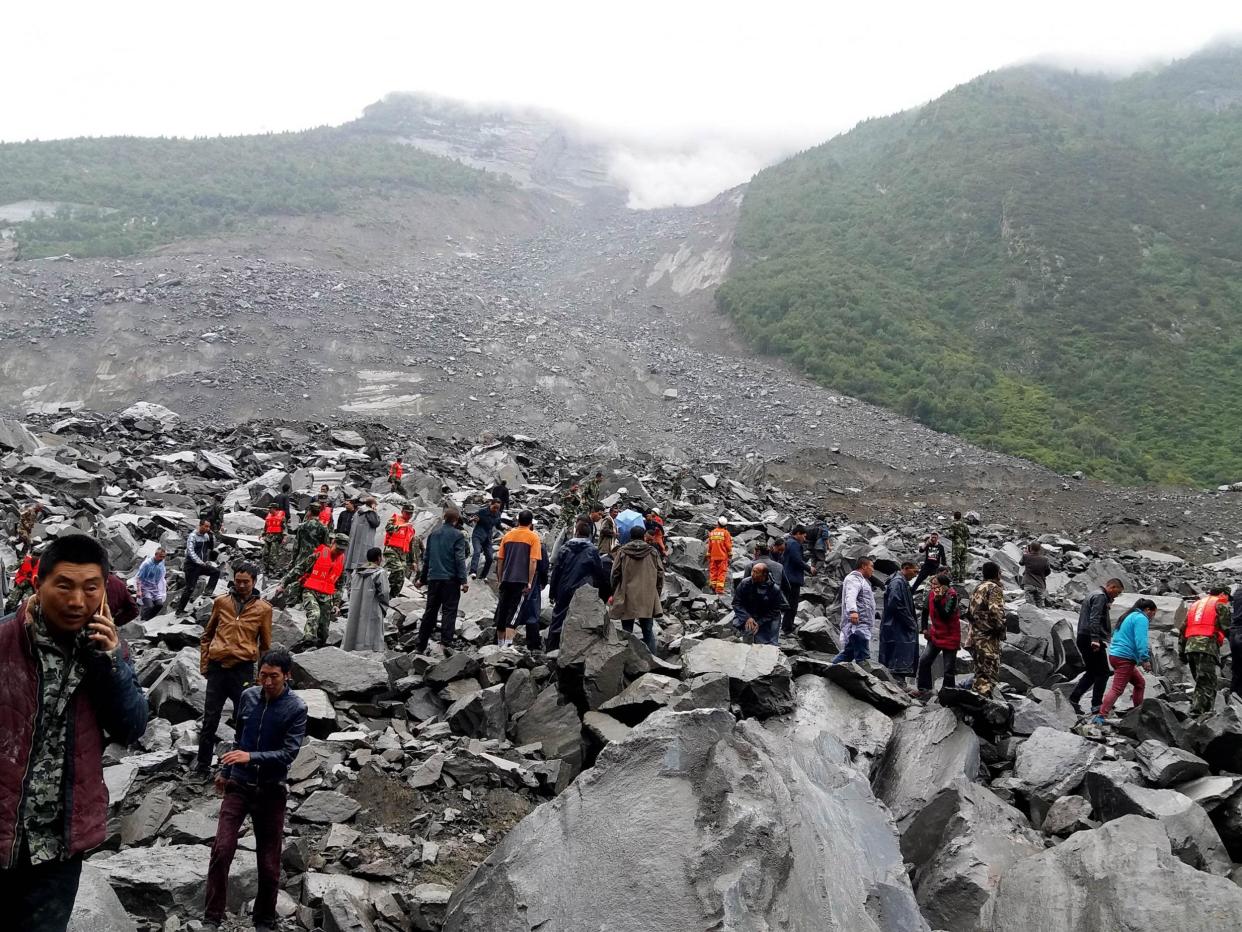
point(857, 647)
point(769, 631)
point(481, 544)
point(648, 627)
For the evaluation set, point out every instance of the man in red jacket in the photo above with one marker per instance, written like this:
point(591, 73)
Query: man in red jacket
point(66, 681)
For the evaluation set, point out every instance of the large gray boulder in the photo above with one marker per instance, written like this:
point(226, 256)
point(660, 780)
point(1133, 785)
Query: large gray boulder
point(66, 479)
point(960, 843)
point(862, 728)
point(1217, 738)
point(1050, 764)
point(1122, 875)
point(152, 881)
point(930, 750)
point(97, 908)
point(340, 672)
point(596, 661)
point(1166, 766)
point(180, 692)
point(760, 678)
point(555, 725)
point(752, 828)
point(14, 435)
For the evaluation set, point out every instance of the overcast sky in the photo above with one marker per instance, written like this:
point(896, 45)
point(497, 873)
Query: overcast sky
point(732, 84)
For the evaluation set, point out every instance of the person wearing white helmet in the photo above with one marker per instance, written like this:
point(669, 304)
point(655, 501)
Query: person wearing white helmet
point(719, 552)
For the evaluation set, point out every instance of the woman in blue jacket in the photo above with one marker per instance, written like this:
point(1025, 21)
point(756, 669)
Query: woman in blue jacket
point(1126, 653)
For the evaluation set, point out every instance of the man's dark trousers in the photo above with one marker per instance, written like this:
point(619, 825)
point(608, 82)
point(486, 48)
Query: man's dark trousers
point(39, 897)
point(222, 683)
point(792, 594)
point(508, 601)
point(193, 572)
point(265, 804)
point(443, 595)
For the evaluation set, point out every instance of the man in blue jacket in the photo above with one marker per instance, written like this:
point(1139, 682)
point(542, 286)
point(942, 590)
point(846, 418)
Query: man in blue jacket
point(578, 564)
point(794, 575)
point(271, 724)
point(444, 574)
point(757, 606)
point(487, 521)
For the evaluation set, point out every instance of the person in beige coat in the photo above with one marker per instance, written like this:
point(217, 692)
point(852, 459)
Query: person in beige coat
point(637, 580)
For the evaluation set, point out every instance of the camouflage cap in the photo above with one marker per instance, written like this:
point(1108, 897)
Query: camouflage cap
point(341, 538)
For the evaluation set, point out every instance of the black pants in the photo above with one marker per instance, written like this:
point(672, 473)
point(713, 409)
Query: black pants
point(927, 569)
point(924, 680)
point(560, 611)
point(39, 897)
point(507, 603)
point(1095, 677)
point(193, 572)
point(792, 594)
point(222, 683)
point(442, 598)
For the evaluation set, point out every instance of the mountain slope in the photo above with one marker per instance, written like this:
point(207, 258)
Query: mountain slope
point(1043, 262)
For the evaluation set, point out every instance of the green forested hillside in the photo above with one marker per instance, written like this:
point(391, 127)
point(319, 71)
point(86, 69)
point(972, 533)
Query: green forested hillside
point(141, 192)
point(1042, 262)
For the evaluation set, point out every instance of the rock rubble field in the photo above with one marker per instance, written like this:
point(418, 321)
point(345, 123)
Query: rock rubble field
point(714, 784)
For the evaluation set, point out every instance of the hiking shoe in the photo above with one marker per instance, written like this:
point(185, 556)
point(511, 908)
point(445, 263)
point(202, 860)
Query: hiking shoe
point(1098, 719)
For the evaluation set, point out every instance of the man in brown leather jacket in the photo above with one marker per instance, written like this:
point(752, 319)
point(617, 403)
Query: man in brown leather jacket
point(238, 633)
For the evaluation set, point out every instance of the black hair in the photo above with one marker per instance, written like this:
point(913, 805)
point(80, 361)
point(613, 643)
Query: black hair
point(762, 547)
point(278, 657)
point(1115, 582)
point(944, 579)
point(798, 529)
point(582, 527)
point(864, 561)
point(1219, 590)
point(1143, 605)
point(957, 515)
point(245, 566)
point(284, 487)
point(1035, 546)
point(637, 533)
point(906, 564)
point(373, 554)
point(73, 548)
point(526, 517)
point(494, 501)
point(991, 571)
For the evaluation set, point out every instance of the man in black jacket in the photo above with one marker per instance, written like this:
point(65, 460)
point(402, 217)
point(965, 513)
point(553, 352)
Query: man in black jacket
point(793, 575)
point(487, 521)
point(271, 724)
point(444, 574)
point(577, 565)
point(1094, 631)
point(758, 605)
point(934, 560)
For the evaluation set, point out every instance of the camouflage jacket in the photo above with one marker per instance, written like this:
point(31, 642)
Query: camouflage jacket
point(959, 534)
point(987, 610)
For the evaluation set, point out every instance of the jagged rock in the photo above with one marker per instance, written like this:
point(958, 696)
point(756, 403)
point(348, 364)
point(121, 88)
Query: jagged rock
point(1098, 573)
point(1217, 738)
point(709, 691)
point(97, 908)
point(861, 683)
point(862, 728)
point(14, 435)
point(1122, 875)
point(816, 634)
point(190, 828)
point(67, 480)
point(152, 881)
point(555, 726)
point(1190, 831)
point(1153, 720)
point(481, 714)
point(1221, 797)
point(1166, 766)
point(1068, 815)
point(647, 694)
point(424, 704)
point(783, 813)
point(145, 822)
point(595, 660)
point(150, 411)
point(930, 749)
point(339, 672)
point(180, 692)
point(1043, 708)
point(760, 678)
point(1049, 765)
point(460, 666)
point(987, 716)
point(961, 842)
point(326, 807)
point(320, 714)
point(604, 728)
point(520, 691)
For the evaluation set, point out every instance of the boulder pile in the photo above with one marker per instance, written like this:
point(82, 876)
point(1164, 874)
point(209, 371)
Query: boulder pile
point(715, 784)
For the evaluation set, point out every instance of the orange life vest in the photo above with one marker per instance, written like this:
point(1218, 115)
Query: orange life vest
point(1201, 619)
point(396, 471)
point(325, 516)
point(401, 536)
point(326, 570)
point(275, 523)
point(28, 572)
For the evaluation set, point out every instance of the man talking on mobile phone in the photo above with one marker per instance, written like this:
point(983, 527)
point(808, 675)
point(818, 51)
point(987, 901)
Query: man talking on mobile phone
point(66, 681)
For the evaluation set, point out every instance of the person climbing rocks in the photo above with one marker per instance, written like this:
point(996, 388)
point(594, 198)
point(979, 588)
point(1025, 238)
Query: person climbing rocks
point(1199, 639)
point(857, 613)
point(899, 627)
point(987, 629)
point(959, 537)
point(933, 560)
point(396, 472)
point(1094, 631)
point(321, 577)
point(1127, 652)
point(943, 626)
point(719, 552)
point(1035, 572)
point(398, 536)
point(273, 537)
point(758, 605)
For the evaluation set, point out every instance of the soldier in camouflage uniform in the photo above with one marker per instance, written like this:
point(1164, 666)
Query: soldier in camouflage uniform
point(273, 538)
point(571, 502)
point(679, 482)
point(959, 535)
point(309, 535)
point(987, 629)
point(26, 525)
point(399, 549)
point(23, 582)
point(1207, 625)
point(590, 494)
point(320, 607)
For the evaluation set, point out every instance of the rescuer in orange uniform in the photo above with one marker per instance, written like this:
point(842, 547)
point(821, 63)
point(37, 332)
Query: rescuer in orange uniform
point(395, 473)
point(398, 536)
point(719, 553)
point(24, 582)
point(1201, 636)
point(273, 537)
point(322, 575)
